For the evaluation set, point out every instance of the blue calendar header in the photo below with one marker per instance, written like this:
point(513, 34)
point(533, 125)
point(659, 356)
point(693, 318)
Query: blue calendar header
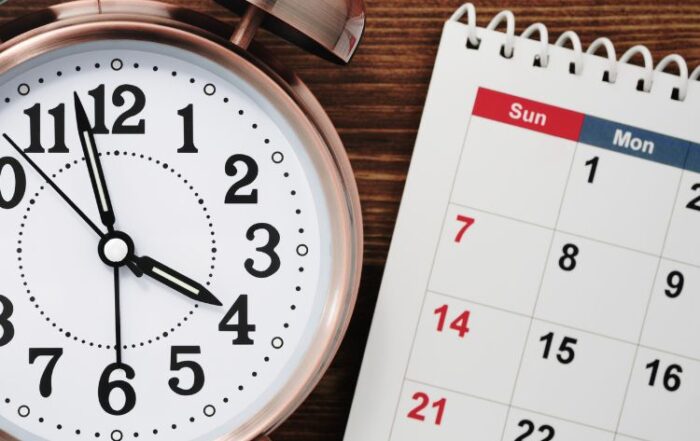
point(693, 162)
point(634, 141)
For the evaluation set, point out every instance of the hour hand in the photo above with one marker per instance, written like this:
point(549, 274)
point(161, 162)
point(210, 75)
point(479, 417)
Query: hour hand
point(92, 159)
point(173, 279)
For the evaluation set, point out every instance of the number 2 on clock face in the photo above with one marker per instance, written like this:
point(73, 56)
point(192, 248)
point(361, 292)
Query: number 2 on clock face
point(202, 180)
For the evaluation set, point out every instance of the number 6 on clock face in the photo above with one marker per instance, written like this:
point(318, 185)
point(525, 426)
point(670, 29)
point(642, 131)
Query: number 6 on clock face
point(238, 217)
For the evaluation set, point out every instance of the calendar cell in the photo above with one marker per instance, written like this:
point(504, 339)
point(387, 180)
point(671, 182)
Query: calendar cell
point(596, 287)
point(524, 170)
point(619, 199)
point(428, 413)
point(680, 244)
point(574, 375)
point(660, 401)
point(468, 348)
point(476, 245)
point(528, 426)
point(672, 323)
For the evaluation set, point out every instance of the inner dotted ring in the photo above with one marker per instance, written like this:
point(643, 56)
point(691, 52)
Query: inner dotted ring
point(33, 299)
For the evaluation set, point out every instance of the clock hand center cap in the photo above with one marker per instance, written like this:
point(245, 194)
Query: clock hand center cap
point(115, 248)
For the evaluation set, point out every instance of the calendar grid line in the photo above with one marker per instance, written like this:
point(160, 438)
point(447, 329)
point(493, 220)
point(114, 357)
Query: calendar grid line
point(667, 352)
point(539, 290)
point(580, 236)
point(564, 325)
point(503, 216)
point(534, 317)
point(682, 262)
point(651, 295)
point(466, 394)
point(430, 273)
point(525, 409)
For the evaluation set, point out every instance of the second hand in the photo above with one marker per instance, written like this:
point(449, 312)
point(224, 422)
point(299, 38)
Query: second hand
point(53, 185)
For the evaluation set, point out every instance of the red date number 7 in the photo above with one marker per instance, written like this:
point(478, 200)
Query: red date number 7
point(468, 222)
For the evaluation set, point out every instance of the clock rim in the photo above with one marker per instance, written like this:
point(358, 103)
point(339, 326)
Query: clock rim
point(84, 21)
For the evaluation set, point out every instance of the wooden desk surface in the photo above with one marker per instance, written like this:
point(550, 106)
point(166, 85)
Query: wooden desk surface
point(376, 103)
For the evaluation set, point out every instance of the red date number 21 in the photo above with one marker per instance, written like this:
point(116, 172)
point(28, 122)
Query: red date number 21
point(418, 412)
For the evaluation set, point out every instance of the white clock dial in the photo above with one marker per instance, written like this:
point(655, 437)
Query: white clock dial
point(205, 178)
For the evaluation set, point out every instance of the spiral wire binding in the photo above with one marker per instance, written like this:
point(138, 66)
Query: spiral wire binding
point(542, 59)
point(611, 73)
point(577, 64)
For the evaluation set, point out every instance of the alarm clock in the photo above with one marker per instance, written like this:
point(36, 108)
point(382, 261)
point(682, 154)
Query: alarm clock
point(181, 229)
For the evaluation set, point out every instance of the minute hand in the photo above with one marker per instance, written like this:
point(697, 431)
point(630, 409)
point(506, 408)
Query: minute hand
point(173, 279)
point(92, 159)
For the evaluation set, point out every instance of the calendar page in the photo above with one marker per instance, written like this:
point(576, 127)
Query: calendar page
point(543, 281)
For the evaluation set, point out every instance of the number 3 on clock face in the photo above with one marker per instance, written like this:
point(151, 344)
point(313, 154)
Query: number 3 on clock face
point(203, 173)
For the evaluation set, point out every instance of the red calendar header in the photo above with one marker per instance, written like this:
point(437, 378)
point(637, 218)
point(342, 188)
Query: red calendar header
point(528, 114)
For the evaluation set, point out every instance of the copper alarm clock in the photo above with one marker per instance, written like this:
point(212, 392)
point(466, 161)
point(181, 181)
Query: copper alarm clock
point(181, 229)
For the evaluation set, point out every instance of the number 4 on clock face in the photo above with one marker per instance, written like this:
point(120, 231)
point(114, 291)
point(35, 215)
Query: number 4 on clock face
point(242, 327)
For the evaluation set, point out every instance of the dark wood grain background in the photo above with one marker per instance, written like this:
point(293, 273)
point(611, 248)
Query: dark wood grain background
point(376, 104)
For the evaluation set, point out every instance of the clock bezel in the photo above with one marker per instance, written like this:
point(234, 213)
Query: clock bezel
point(89, 21)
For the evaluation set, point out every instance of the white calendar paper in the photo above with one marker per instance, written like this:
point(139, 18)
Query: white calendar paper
point(543, 281)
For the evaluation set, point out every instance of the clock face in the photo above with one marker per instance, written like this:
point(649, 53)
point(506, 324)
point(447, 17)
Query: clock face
point(208, 181)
